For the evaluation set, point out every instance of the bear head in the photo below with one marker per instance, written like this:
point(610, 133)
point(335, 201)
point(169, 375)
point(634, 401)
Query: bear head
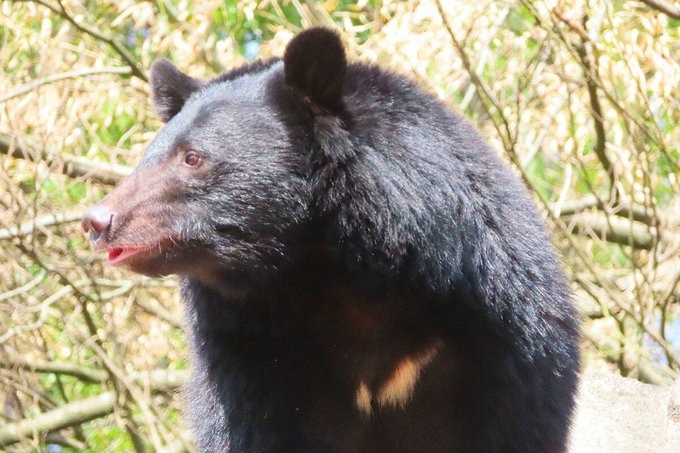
point(229, 180)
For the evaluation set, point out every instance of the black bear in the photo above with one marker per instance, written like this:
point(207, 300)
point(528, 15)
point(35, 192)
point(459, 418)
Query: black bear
point(361, 272)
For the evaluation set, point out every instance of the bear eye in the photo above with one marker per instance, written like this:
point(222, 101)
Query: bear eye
point(192, 159)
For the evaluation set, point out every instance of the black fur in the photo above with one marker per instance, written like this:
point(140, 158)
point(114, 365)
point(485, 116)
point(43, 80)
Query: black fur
point(171, 88)
point(315, 64)
point(342, 223)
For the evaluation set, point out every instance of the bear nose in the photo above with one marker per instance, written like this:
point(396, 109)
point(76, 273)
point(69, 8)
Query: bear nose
point(97, 221)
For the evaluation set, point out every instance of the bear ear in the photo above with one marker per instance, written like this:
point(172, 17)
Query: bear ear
point(315, 64)
point(170, 88)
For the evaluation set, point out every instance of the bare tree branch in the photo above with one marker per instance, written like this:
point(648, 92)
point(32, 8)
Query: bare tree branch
point(48, 220)
point(612, 229)
point(82, 373)
point(115, 45)
point(29, 87)
point(78, 412)
point(507, 137)
point(58, 439)
point(632, 211)
point(646, 370)
point(589, 65)
point(665, 7)
point(65, 416)
point(159, 312)
point(73, 166)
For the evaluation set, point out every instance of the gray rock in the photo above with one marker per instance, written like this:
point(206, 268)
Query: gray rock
point(620, 415)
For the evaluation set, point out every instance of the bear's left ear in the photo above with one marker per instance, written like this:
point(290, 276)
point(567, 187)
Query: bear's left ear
point(315, 64)
point(170, 88)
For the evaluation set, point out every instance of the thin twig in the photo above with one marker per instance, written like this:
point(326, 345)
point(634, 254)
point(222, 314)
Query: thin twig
point(38, 223)
point(81, 411)
point(158, 311)
point(632, 211)
point(613, 229)
point(590, 71)
point(30, 87)
point(507, 137)
point(665, 7)
point(73, 166)
point(115, 45)
point(82, 373)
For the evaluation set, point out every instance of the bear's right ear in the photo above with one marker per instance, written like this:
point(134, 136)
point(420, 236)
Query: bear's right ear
point(170, 88)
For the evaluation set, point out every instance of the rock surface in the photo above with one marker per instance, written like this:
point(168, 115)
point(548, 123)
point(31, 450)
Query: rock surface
point(621, 415)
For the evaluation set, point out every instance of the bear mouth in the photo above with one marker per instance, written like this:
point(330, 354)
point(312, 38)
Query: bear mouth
point(117, 255)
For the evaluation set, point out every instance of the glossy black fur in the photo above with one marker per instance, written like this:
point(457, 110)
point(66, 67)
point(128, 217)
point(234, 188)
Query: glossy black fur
point(344, 219)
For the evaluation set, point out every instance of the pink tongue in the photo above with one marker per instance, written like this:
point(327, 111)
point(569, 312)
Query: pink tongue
point(116, 255)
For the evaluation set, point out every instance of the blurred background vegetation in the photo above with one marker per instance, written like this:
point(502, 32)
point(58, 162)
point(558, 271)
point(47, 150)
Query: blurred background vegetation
point(580, 96)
